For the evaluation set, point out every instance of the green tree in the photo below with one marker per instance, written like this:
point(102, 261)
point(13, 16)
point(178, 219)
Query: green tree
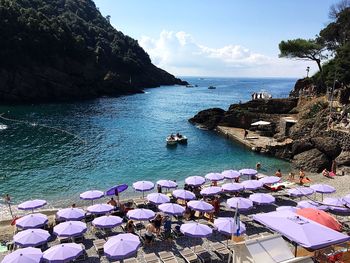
point(303, 49)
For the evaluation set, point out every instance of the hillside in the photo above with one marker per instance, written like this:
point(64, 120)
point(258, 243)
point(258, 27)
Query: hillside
point(57, 50)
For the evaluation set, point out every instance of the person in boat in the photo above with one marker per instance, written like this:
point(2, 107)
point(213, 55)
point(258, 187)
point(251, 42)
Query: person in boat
point(172, 136)
point(178, 135)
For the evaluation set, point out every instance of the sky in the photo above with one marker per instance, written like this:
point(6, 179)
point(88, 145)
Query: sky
point(224, 38)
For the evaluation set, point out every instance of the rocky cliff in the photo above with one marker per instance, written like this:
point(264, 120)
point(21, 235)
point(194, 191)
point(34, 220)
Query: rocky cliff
point(54, 50)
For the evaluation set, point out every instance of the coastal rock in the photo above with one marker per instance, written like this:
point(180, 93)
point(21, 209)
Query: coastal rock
point(299, 86)
point(301, 145)
point(208, 118)
point(327, 145)
point(272, 106)
point(312, 160)
point(343, 158)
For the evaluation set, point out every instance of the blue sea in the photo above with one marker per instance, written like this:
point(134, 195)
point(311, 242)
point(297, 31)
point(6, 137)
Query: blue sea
point(60, 150)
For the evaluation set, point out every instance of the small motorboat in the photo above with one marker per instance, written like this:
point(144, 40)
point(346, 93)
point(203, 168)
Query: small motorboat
point(181, 139)
point(171, 140)
point(211, 87)
point(189, 86)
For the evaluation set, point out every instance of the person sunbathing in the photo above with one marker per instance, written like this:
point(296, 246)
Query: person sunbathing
point(325, 173)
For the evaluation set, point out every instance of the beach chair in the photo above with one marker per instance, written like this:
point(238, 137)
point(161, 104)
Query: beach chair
point(98, 244)
point(221, 250)
point(151, 258)
point(131, 260)
point(202, 253)
point(139, 202)
point(189, 256)
point(64, 240)
point(167, 257)
point(81, 257)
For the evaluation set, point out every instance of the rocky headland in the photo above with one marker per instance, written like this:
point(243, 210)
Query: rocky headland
point(313, 144)
point(59, 50)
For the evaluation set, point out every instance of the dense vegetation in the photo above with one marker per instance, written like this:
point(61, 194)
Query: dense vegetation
point(65, 49)
point(331, 46)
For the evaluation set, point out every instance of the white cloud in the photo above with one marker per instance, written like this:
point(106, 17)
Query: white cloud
point(180, 54)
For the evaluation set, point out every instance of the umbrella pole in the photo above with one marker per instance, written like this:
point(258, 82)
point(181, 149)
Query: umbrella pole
point(296, 250)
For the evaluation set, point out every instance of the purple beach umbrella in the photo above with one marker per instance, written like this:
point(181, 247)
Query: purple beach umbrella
point(184, 194)
point(167, 184)
point(252, 184)
point(336, 204)
point(158, 198)
point(196, 230)
point(31, 237)
point(214, 177)
point(195, 180)
point(311, 204)
point(231, 174)
point(121, 246)
point(63, 253)
point(24, 255)
point(143, 186)
point(70, 229)
point(91, 195)
point(270, 179)
point(200, 205)
point(107, 221)
point(32, 204)
point(323, 189)
point(32, 221)
point(262, 199)
point(140, 214)
point(232, 187)
point(287, 208)
point(301, 191)
point(211, 190)
point(346, 200)
point(71, 214)
point(172, 209)
point(227, 226)
point(117, 189)
point(100, 209)
point(241, 203)
point(249, 172)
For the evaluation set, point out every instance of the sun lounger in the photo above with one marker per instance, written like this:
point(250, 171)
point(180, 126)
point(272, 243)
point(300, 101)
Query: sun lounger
point(189, 255)
point(221, 250)
point(139, 202)
point(167, 257)
point(131, 260)
point(98, 244)
point(202, 253)
point(151, 258)
point(64, 239)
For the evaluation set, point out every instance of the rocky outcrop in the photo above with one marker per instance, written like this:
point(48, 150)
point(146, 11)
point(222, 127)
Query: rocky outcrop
point(208, 118)
point(301, 145)
point(300, 85)
point(329, 146)
point(312, 160)
point(343, 158)
point(242, 115)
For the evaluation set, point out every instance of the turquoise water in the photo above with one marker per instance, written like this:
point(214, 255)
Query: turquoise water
point(122, 140)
